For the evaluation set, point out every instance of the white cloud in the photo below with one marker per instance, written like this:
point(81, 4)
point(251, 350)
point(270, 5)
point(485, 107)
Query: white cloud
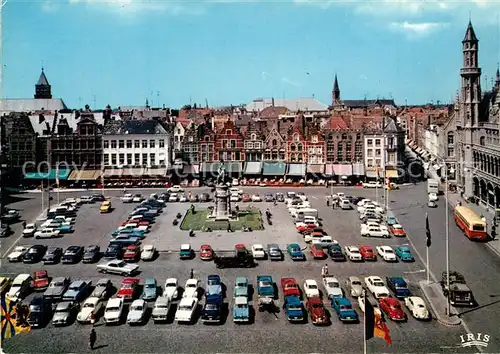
point(417, 29)
point(290, 82)
point(134, 7)
point(49, 6)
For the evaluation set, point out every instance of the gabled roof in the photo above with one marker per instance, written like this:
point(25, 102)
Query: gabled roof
point(368, 103)
point(42, 80)
point(336, 122)
point(31, 105)
point(273, 112)
point(294, 105)
point(390, 126)
point(134, 127)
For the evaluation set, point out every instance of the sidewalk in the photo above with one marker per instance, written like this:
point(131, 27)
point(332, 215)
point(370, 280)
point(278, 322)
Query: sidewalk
point(454, 197)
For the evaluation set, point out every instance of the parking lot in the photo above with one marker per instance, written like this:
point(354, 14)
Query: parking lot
point(269, 332)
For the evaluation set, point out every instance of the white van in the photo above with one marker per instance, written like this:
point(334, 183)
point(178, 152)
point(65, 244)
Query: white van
point(305, 213)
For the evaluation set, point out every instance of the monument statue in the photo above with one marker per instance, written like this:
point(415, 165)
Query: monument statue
point(222, 176)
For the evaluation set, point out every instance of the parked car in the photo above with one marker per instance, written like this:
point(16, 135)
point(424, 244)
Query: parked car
point(113, 311)
point(39, 312)
point(41, 280)
point(118, 267)
point(91, 307)
point(367, 253)
point(241, 310)
point(150, 289)
point(386, 253)
point(148, 253)
point(354, 286)
point(171, 288)
point(212, 310)
point(295, 252)
point(391, 307)
point(56, 289)
point(332, 287)
point(34, 254)
point(53, 255)
point(137, 312)
point(206, 253)
point(289, 287)
point(335, 252)
point(161, 309)
point(29, 230)
point(376, 286)
point(294, 310)
point(17, 254)
point(317, 252)
point(78, 290)
point(65, 312)
point(311, 288)
point(72, 254)
point(241, 287)
point(344, 310)
point(274, 252)
point(91, 254)
point(398, 286)
point(186, 252)
point(417, 308)
point(317, 311)
point(404, 253)
point(20, 287)
point(353, 253)
point(186, 309)
point(103, 289)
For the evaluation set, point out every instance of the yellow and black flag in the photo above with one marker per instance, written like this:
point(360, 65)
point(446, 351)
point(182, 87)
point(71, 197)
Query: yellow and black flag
point(12, 322)
point(374, 324)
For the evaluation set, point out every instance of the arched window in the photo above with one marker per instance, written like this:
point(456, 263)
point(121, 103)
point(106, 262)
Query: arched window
point(481, 141)
point(293, 147)
point(274, 142)
point(299, 148)
point(253, 137)
point(295, 137)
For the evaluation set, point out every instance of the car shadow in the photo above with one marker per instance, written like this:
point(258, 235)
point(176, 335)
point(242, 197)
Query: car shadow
point(224, 313)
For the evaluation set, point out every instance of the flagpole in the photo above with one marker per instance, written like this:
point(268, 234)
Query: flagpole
point(57, 180)
point(43, 196)
point(427, 262)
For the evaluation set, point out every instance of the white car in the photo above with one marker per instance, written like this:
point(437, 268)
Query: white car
point(134, 226)
point(47, 233)
point(174, 197)
point(235, 182)
point(175, 189)
point(29, 230)
point(64, 220)
point(370, 207)
point(127, 198)
point(137, 198)
point(372, 230)
point(416, 306)
point(234, 190)
point(433, 197)
point(332, 287)
point(183, 198)
point(55, 223)
point(17, 254)
point(137, 312)
point(258, 251)
point(376, 286)
point(387, 253)
point(86, 199)
point(91, 306)
point(171, 288)
point(361, 304)
point(20, 286)
point(363, 202)
point(234, 198)
point(118, 267)
point(186, 309)
point(113, 311)
point(354, 286)
point(161, 309)
point(148, 252)
point(353, 253)
point(324, 241)
point(256, 198)
point(191, 288)
point(311, 288)
point(372, 185)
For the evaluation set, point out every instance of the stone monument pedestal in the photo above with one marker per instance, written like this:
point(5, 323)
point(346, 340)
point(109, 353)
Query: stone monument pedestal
point(222, 207)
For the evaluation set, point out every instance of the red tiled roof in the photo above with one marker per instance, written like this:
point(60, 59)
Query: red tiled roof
point(273, 112)
point(336, 122)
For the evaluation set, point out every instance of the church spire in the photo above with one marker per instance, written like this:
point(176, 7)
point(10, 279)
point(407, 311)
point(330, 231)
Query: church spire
point(497, 79)
point(42, 88)
point(470, 35)
point(336, 91)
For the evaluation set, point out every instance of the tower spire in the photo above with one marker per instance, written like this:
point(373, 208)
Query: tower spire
point(336, 91)
point(42, 87)
point(497, 78)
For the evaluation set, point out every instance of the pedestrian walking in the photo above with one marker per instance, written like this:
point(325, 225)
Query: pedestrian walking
point(324, 271)
point(92, 338)
point(191, 274)
point(24, 224)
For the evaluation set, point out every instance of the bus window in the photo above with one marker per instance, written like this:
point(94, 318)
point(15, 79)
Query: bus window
point(477, 227)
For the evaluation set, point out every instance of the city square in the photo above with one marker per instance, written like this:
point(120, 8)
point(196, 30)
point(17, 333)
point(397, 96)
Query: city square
point(342, 225)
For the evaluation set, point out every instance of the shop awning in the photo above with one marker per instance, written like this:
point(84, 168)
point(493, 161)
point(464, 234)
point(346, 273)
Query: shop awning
point(86, 175)
point(63, 174)
point(191, 169)
point(329, 170)
point(391, 174)
point(156, 172)
point(233, 166)
point(316, 169)
point(358, 169)
point(371, 174)
point(343, 170)
point(210, 167)
point(253, 168)
point(273, 168)
point(113, 172)
point(296, 169)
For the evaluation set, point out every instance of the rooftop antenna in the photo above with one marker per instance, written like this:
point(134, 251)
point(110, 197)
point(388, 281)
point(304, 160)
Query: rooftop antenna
point(158, 98)
point(206, 103)
point(190, 100)
point(94, 99)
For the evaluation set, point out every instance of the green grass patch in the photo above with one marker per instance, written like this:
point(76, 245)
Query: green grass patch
point(198, 221)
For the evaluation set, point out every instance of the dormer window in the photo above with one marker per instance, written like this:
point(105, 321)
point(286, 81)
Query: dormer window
point(253, 137)
point(295, 137)
point(190, 139)
point(274, 143)
point(314, 139)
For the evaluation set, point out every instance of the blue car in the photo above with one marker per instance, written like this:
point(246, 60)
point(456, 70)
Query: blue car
point(150, 289)
point(125, 241)
point(128, 232)
point(212, 310)
point(241, 310)
point(344, 310)
point(214, 286)
point(294, 310)
point(65, 229)
point(265, 286)
point(404, 253)
point(391, 220)
point(398, 287)
point(295, 252)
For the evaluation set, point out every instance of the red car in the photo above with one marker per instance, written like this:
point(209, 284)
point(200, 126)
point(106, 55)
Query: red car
point(132, 253)
point(305, 227)
point(367, 253)
point(397, 230)
point(317, 311)
point(40, 280)
point(246, 197)
point(317, 252)
point(128, 289)
point(392, 308)
point(206, 253)
point(240, 247)
point(289, 287)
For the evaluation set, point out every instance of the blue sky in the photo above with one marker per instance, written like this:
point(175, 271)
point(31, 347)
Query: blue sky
point(230, 52)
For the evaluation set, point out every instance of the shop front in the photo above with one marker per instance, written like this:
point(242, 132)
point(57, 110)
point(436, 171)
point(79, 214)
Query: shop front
point(344, 173)
point(273, 172)
point(296, 173)
point(315, 174)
